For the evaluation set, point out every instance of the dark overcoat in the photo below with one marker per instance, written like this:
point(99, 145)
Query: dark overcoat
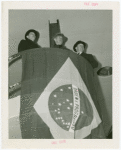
point(90, 59)
point(27, 44)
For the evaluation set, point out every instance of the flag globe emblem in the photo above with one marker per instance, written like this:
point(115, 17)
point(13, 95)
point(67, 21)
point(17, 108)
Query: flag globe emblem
point(64, 111)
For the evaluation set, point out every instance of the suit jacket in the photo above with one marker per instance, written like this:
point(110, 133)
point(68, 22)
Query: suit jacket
point(27, 44)
point(90, 59)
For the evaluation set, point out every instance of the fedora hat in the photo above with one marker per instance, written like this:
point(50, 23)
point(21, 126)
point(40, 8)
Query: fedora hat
point(32, 30)
point(79, 42)
point(60, 34)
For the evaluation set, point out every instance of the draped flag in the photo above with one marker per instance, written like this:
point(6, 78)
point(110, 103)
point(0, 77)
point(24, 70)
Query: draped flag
point(59, 100)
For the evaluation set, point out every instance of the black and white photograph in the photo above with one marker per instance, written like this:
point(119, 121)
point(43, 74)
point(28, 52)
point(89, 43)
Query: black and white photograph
point(62, 74)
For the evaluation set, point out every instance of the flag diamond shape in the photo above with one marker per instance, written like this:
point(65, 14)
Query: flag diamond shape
point(64, 101)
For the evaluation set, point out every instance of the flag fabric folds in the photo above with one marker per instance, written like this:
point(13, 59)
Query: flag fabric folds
point(58, 98)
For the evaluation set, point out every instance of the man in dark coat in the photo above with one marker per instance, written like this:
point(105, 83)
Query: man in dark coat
point(30, 42)
point(79, 48)
point(59, 41)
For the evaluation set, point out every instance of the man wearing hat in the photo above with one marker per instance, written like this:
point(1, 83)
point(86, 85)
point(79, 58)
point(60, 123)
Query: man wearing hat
point(79, 48)
point(30, 42)
point(59, 41)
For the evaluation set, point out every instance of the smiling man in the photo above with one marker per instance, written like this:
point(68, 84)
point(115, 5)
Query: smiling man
point(59, 41)
point(79, 48)
point(30, 42)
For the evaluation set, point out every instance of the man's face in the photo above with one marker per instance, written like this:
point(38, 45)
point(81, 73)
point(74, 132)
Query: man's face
point(31, 36)
point(58, 40)
point(80, 48)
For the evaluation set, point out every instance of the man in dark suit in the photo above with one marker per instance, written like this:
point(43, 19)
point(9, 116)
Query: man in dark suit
point(79, 48)
point(30, 42)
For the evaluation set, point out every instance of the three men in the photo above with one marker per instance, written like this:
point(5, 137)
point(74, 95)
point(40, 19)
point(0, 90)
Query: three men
point(31, 38)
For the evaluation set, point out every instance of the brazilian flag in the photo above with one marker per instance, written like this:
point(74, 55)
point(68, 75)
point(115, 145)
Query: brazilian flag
point(58, 98)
